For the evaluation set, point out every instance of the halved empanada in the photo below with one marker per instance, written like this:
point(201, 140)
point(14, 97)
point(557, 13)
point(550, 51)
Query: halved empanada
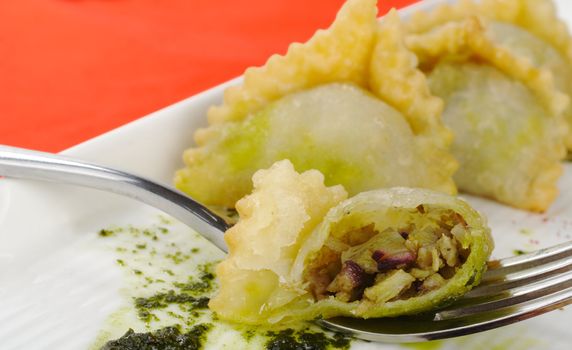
point(528, 28)
point(350, 103)
point(505, 112)
point(299, 251)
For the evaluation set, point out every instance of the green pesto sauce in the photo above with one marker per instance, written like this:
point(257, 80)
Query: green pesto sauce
point(205, 283)
point(106, 233)
point(178, 257)
point(145, 306)
point(289, 339)
point(166, 304)
point(519, 252)
point(170, 282)
point(165, 338)
point(189, 296)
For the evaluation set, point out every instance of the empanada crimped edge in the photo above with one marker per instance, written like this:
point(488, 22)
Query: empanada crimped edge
point(467, 38)
point(539, 17)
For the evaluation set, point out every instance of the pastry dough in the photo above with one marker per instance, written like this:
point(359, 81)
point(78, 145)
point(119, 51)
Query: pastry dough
point(299, 251)
point(528, 28)
point(506, 114)
point(350, 103)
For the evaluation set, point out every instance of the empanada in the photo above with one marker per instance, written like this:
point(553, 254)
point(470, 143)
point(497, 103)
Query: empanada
point(505, 112)
point(350, 103)
point(528, 28)
point(300, 251)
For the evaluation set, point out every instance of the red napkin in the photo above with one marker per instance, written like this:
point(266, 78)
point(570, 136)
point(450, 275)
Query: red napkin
point(73, 69)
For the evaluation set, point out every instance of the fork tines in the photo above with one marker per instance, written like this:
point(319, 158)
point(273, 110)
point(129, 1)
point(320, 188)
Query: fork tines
point(517, 288)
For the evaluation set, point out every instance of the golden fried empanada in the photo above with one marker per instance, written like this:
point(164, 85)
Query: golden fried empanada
point(350, 102)
point(527, 28)
point(505, 112)
point(300, 251)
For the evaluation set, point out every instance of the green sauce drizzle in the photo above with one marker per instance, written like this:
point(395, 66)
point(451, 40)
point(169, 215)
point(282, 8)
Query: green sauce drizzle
point(171, 276)
point(288, 339)
point(162, 300)
point(166, 338)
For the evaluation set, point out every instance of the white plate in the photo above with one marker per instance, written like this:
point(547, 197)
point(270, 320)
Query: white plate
point(58, 284)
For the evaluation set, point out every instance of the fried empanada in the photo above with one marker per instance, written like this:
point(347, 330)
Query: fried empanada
point(505, 112)
point(350, 103)
point(300, 251)
point(527, 28)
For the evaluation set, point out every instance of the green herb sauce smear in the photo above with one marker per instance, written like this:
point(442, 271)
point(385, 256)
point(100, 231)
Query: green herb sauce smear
point(166, 338)
point(289, 339)
point(169, 274)
point(169, 278)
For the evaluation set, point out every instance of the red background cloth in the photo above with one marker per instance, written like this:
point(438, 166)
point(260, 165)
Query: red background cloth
point(73, 69)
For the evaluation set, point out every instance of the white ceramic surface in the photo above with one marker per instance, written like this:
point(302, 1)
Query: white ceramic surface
point(58, 286)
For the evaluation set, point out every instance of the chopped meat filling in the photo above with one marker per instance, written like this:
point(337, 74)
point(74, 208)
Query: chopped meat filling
point(350, 283)
point(393, 263)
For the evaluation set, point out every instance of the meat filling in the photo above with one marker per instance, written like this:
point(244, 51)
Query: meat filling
point(393, 263)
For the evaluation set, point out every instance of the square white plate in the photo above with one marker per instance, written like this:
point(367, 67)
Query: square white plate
point(58, 286)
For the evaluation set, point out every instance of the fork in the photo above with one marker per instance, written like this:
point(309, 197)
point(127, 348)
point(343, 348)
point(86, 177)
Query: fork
point(513, 289)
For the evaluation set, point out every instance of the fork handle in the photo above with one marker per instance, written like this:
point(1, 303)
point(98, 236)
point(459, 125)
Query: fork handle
point(26, 164)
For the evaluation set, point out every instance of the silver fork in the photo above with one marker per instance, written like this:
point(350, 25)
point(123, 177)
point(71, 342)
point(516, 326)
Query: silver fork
point(512, 290)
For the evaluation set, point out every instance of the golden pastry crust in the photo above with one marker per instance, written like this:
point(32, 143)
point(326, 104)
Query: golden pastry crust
point(338, 54)
point(538, 17)
point(466, 40)
point(291, 221)
point(275, 221)
point(356, 51)
point(396, 79)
